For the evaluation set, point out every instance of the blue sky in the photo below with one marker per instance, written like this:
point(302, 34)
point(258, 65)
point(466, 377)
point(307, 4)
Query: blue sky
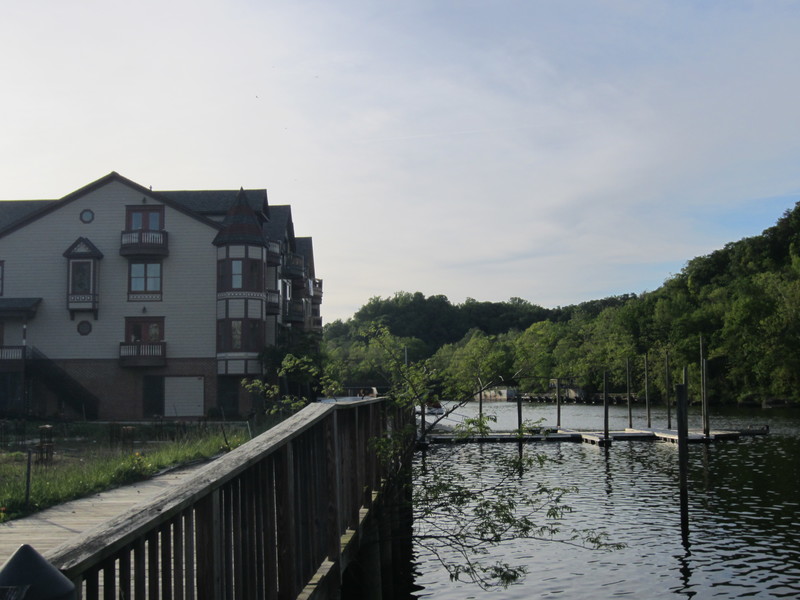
point(553, 151)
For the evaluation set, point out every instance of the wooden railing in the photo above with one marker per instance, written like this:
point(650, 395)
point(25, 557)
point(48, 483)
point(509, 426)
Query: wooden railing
point(267, 520)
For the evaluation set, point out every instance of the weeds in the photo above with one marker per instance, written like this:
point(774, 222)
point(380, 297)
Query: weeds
point(80, 471)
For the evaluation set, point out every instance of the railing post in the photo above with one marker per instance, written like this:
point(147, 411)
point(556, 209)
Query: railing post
point(209, 547)
point(286, 527)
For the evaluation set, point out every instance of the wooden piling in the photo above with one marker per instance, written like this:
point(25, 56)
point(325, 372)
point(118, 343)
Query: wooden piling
point(558, 402)
point(605, 405)
point(628, 388)
point(647, 392)
point(667, 386)
point(681, 393)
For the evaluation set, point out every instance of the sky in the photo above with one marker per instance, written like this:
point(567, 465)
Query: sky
point(552, 151)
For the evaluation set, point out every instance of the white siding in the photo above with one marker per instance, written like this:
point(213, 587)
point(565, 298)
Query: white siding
point(35, 267)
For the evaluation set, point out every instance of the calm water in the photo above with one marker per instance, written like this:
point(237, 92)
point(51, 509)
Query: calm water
point(744, 511)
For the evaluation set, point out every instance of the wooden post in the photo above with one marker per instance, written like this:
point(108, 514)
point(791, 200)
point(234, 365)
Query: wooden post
point(605, 407)
point(519, 415)
point(706, 417)
point(702, 385)
point(558, 402)
point(647, 392)
point(667, 384)
point(628, 387)
point(683, 452)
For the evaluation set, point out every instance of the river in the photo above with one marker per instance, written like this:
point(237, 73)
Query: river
point(744, 510)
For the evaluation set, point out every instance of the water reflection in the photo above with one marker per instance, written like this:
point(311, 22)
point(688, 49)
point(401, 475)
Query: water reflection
point(742, 513)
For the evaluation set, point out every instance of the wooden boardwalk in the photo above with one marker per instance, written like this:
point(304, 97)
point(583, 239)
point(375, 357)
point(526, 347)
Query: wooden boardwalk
point(52, 527)
point(595, 437)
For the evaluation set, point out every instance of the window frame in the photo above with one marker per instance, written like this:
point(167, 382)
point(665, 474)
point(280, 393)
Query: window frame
point(132, 322)
point(92, 289)
point(142, 210)
point(146, 278)
point(240, 275)
point(250, 335)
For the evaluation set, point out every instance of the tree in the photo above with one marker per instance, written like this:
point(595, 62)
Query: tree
point(466, 517)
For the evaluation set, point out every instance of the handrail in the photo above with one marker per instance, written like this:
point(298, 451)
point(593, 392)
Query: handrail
point(257, 522)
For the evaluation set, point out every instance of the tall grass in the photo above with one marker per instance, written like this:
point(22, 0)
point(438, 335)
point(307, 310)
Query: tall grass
point(85, 469)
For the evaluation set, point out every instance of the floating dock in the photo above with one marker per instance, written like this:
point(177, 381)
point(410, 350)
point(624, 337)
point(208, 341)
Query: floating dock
point(594, 437)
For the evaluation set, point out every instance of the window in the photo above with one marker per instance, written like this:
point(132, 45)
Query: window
point(145, 278)
point(80, 277)
point(147, 218)
point(236, 274)
point(240, 274)
point(240, 335)
point(144, 330)
point(83, 263)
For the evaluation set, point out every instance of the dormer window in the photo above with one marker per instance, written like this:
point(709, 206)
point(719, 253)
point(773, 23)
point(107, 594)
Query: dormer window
point(83, 259)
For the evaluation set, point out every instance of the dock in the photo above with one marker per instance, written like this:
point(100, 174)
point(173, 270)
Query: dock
point(595, 437)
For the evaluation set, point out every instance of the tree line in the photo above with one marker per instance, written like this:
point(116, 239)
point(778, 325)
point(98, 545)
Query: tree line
point(743, 300)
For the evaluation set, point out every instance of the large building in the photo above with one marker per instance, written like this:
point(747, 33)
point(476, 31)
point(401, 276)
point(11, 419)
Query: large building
point(120, 302)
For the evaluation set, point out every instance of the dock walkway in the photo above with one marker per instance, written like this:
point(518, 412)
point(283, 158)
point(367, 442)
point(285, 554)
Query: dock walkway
point(52, 527)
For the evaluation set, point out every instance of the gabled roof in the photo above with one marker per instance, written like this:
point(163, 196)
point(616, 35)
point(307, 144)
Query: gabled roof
point(241, 224)
point(82, 248)
point(280, 226)
point(206, 206)
point(26, 214)
point(305, 247)
point(16, 210)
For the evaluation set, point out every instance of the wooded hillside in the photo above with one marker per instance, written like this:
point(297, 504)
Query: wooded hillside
point(744, 300)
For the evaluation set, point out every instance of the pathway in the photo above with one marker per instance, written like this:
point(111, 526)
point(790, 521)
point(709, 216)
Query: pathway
point(53, 526)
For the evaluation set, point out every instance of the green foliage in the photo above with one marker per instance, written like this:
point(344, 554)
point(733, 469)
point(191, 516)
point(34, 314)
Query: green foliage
point(85, 472)
point(472, 427)
point(743, 299)
point(300, 372)
point(467, 518)
point(461, 520)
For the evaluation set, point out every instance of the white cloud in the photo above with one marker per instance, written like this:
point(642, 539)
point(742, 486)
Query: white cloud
point(552, 151)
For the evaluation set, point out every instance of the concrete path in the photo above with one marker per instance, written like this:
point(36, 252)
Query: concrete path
point(52, 527)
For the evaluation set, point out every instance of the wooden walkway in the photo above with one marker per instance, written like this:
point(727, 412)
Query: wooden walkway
point(52, 527)
point(596, 437)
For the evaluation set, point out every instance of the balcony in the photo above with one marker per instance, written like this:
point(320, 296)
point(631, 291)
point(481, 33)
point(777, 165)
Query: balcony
point(140, 242)
point(316, 291)
point(314, 323)
point(141, 354)
point(273, 253)
point(295, 312)
point(272, 304)
point(12, 358)
point(294, 266)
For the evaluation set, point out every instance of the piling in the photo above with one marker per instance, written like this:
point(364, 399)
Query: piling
point(647, 392)
point(558, 402)
point(628, 387)
point(605, 406)
point(666, 389)
point(681, 394)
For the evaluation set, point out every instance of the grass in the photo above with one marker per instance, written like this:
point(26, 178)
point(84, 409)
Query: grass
point(83, 467)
